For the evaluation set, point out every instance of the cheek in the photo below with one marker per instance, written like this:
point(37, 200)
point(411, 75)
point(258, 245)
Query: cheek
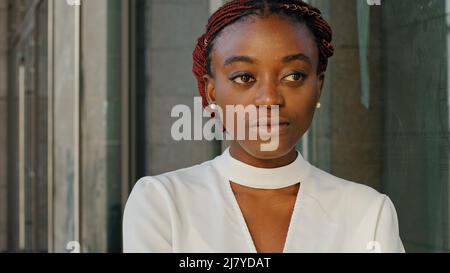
point(305, 97)
point(302, 104)
point(227, 94)
point(221, 89)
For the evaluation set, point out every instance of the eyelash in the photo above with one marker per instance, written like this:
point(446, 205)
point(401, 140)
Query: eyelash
point(233, 78)
point(296, 73)
point(300, 74)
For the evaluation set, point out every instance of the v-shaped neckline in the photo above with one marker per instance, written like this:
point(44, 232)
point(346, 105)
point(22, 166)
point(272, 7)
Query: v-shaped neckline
point(231, 169)
point(244, 226)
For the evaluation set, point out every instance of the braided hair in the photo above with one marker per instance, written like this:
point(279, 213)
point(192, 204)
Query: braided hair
point(238, 10)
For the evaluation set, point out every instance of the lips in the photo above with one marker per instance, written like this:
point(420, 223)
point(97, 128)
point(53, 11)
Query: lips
point(270, 127)
point(270, 122)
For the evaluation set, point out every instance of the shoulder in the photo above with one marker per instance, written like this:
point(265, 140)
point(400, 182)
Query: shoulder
point(342, 196)
point(147, 218)
point(365, 213)
point(327, 183)
point(175, 186)
point(190, 177)
point(157, 203)
point(147, 194)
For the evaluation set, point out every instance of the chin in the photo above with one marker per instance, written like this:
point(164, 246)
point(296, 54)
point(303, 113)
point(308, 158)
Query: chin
point(266, 150)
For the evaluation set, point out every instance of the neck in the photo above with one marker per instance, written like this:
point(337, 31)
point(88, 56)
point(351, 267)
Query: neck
point(242, 155)
point(239, 189)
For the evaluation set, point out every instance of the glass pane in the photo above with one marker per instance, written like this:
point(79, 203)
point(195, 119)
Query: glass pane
point(384, 120)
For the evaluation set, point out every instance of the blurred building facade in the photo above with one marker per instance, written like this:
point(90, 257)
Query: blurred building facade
point(86, 94)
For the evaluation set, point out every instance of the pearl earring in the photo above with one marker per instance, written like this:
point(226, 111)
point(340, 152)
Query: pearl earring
point(213, 106)
point(318, 105)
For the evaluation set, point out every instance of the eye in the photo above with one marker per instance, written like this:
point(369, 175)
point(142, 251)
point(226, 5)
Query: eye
point(295, 77)
point(243, 79)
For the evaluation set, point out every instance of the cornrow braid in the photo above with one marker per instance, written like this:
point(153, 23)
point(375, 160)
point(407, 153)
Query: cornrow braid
point(237, 10)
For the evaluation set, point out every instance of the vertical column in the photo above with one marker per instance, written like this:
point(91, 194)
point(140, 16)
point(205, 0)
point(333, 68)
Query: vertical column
point(170, 42)
point(21, 189)
point(50, 126)
point(76, 123)
point(125, 98)
point(95, 107)
point(3, 125)
point(102, 131)
point(319, 140)
point(64, 125)
point(114, 94)
point(447, 15)
point(355, 128)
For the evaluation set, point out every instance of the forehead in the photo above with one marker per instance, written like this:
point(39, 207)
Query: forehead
point(269, 37)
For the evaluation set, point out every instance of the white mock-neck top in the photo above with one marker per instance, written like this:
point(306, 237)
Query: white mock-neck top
point(263, 178)
point(194, 210)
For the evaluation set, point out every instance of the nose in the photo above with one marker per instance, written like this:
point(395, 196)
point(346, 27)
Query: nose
point(269, 94)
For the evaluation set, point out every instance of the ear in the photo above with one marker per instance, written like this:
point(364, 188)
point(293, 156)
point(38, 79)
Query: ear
point(210, 89)
point(321, 80)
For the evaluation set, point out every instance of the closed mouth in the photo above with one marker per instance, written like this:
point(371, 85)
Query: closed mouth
point(270, 122)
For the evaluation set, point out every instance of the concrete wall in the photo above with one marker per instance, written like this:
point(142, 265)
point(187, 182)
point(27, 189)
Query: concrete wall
point(355, 129)
point(31, 45)
point(346, 136)
point(415, 85)
point(40, 213)
point(94, 124)
point(170, 81)
point(319, 134)
point(101, 126)
point(168, 57)
point(63, 125)
point(3, 124)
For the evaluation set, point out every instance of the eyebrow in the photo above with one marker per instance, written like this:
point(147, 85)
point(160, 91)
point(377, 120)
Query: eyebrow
point(237, 59)
point(286, 59)
point(296, 57)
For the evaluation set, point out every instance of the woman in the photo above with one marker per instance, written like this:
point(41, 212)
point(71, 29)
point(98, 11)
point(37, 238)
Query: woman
point(264, 54)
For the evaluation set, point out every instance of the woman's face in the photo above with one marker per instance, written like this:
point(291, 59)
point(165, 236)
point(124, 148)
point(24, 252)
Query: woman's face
point(267, 61)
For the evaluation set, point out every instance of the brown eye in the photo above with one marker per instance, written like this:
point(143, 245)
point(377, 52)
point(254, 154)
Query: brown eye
point(295, 77)
point(243, 79)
